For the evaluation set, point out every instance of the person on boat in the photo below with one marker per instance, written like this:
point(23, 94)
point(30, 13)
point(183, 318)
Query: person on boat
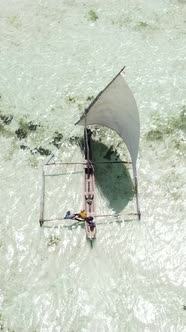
point(69, 215)
point(83, 214)
point(90, 220)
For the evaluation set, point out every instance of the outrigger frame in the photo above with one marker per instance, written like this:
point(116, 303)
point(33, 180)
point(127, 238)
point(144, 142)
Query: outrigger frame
point(89, 187)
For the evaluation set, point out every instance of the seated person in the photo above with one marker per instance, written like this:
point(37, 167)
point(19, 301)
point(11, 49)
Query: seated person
point(91, 222)
point(83, 214)
point(69, 215)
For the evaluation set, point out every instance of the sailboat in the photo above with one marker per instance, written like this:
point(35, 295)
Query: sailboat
point(114, 107)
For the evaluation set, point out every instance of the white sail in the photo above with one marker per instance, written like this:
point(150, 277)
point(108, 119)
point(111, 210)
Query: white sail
point(115, 107)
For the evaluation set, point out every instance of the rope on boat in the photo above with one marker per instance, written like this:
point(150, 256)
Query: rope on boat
point(59, 174)
point(83, 163)
point(116, 215)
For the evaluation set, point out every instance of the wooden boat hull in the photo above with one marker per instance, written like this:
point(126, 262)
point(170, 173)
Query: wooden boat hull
point(89, 184)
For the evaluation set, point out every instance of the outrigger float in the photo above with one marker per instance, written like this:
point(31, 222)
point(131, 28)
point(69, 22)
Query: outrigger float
point(115, 108)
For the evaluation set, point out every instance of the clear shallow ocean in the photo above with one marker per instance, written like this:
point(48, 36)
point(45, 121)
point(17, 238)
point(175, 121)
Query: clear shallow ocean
point(54, 57)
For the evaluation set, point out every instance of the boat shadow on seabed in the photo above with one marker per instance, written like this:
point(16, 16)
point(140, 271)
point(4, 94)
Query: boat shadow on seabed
point(113, 179)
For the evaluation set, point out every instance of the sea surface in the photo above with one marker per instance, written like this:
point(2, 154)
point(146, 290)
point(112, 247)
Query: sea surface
point(55, 56)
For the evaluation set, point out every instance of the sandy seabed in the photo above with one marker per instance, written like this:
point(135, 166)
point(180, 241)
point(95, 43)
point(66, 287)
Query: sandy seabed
point(54, 56)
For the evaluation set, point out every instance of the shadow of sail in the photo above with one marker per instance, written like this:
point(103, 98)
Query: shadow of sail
point(113, 180)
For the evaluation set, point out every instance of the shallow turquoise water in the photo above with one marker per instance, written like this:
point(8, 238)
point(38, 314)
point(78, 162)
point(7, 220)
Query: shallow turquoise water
point(53, 57)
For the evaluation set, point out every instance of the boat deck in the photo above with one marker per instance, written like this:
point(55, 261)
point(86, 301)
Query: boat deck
point(89, 198)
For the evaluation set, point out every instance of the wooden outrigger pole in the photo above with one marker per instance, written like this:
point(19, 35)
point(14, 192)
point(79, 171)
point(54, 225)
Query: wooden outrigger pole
point(42, 199)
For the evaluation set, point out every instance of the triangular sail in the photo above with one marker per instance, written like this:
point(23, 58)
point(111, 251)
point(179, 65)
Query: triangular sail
point(115, 108)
